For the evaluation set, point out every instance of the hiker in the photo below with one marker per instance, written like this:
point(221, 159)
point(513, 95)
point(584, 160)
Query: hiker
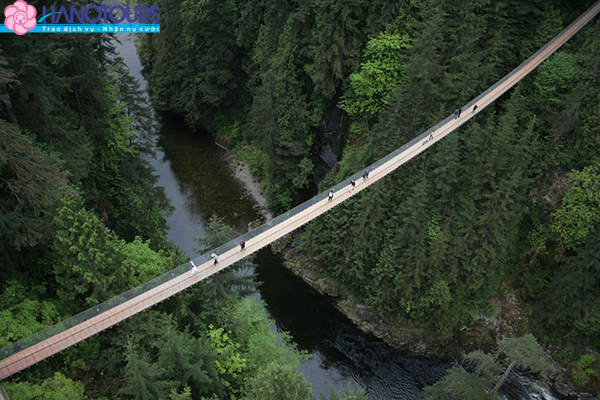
point(242, 245)
point(330, 197)
point(216, 258)
point(366, 175)
point(353, 184)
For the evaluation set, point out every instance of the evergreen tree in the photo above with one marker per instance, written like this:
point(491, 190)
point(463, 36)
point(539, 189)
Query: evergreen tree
point(90, 258)
point(31, 184)
point(188, 362)
point(143, 378)
point(335, 43)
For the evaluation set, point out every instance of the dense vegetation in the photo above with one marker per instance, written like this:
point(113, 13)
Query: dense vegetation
point(82, 221)
point(511, 198)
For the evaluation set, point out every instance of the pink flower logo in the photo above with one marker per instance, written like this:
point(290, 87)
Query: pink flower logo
point(20, 17)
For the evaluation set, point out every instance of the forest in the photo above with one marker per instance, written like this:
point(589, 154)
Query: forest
point(509, 203)
point(81, 221)
point(511, 200)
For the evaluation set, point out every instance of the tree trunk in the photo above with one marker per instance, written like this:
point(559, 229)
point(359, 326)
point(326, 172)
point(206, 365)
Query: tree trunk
point(503, 377)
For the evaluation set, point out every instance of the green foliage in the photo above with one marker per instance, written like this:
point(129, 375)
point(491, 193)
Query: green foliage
point(526, 352)
point(93, 263)
point(277, 382)
point(334, 43)
point(230, 363)
point(189, 362)
point(580, 209)
point(252, 156)
point(186, 394)
point(572, 298)
point(146, 263)
point(143, 379)
point(90, 256)
point(379, 76)
point(249, 325)
point(435, 235)
point(583, 369)
point(194, 67)
point(57, 387)
point(576, 218)
point(347, 393)
point(31, 184)
point(22, 314)
point(555, 76)
point(119, 135)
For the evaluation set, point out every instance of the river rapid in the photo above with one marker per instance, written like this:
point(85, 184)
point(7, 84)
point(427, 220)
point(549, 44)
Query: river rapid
point(199, 182)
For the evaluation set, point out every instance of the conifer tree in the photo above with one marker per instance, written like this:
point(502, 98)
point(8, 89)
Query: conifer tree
point(90, 259)
point(335, 43)
point(187, 362)
point(31, 184)
point(144, 379)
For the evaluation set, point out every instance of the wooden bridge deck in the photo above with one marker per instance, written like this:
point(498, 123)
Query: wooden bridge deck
point(40, 351)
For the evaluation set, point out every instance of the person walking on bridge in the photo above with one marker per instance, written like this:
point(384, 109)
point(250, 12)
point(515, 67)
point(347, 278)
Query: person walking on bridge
point(330, 197)
point(216, 258)
point(194, 269)
point(352, 185)
point(366, 175)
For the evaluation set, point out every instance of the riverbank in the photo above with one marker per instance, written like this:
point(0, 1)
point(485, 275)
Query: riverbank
point(242, 173)
point(509, 317)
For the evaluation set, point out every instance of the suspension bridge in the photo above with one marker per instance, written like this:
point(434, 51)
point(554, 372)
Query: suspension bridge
point(31, 350)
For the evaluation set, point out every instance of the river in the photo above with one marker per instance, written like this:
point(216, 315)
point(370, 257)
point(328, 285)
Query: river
point(199, 183)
